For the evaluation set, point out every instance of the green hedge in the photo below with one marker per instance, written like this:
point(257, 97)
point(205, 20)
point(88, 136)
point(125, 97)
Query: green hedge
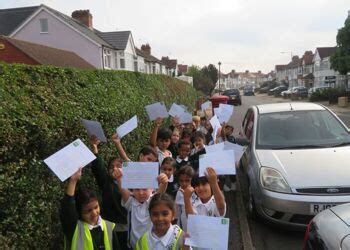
point(40, 113)
point(330, 94)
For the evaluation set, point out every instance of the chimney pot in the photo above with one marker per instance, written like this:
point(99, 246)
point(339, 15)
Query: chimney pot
point(83, 16)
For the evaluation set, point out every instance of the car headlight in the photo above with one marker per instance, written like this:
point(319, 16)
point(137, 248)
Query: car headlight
point(272, 180)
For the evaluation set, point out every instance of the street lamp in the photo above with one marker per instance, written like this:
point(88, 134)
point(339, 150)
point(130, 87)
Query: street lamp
point(219, 77)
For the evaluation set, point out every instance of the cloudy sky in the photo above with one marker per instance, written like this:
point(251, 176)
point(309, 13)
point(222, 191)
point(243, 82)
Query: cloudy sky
point(242, 34)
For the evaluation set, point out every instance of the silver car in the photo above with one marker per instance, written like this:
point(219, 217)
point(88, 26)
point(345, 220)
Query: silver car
point(329, 229)
point(297, 162)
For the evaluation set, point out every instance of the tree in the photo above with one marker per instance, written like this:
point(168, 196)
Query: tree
point(211, 72)
point(203, 78)
point(340, 60)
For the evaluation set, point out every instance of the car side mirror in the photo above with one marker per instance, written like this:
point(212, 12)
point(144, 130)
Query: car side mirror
point(242, 141)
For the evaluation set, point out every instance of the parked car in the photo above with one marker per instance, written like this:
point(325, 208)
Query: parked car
point(279, 90)
point(287, 93)
point(248, 90)
point(297, 162)
point(272, 91)
point(329, 229)
point(315, 89)
point(299, 92)
point(234, 96)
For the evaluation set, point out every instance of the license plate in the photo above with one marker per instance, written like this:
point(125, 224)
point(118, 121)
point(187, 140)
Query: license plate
point(317, 208)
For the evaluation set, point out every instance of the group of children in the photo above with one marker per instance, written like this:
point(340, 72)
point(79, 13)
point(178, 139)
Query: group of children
point(146, 218)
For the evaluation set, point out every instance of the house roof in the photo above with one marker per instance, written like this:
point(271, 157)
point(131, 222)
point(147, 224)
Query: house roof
point(118, 39)
point(148, 58)
point(10, 19)
point(170, 63)
point(50, 56)
point(91, 33)
point(307, 57)
point(326, 51)
point(280, 67)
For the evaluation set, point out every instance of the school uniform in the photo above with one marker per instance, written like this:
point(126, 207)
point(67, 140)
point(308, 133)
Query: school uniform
point(75, 230)
point(139, 220)
point(172, 187)
point(181, 162)
point(207, 209)
point(162, 155)
point(111, 208)
point(173, 148)
point(172, 240)
point(181, 211)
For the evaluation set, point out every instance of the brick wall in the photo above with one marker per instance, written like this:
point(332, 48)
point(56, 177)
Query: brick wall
point(11, 54)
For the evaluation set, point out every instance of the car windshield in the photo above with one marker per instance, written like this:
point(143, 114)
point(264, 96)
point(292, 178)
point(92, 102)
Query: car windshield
point(231, 92)
point(300, 129)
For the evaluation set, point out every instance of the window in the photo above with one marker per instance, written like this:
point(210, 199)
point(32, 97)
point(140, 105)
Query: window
point(122, 59)
point(153, 68)
point(44, 25)
point(107, 58)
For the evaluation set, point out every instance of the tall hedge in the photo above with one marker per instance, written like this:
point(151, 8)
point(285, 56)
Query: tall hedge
point(40, 113)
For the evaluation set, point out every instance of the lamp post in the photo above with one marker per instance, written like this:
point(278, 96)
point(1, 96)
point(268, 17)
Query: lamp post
point(219, 77)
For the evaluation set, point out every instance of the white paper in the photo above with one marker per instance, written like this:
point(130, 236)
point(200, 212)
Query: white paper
point(215, 123)
point(94, 128)
point(217, 112)
point(186, 118)
point(127, 127)
point(65, 162)
point(215, 147)
point(239, 150)
point(156, 110)
point(176, 110)
point(225, 112)
point(205, 105)
point(207, 232)
point(223, 162)
point(140, 175)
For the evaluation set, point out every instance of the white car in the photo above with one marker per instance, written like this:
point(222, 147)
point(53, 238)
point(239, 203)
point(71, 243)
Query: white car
point(297, 162)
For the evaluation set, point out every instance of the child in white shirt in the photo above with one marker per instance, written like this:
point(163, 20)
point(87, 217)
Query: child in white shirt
point(210, 200)
point(137, 206)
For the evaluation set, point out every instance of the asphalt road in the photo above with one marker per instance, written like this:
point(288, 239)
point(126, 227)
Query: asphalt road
point(267, 236)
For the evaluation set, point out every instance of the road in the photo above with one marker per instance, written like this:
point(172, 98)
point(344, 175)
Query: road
point(266, 236)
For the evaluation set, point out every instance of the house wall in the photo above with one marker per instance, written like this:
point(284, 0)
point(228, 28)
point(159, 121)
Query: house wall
point(129, 55)
point(11, 54)
point(61, 36)
point(322, 69)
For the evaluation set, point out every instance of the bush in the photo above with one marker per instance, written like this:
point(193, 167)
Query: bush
point(40, 113)
point(330, 94)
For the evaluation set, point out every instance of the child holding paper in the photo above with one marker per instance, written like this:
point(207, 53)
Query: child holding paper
point(184, 150)
point(210, 200)
point(112, 209)
point(137, 203)
point(168, 167)
point(163, 235)
point(184, 177)
point(82, 224)
point(199, 142)
point(147, 153)
point(160, 140)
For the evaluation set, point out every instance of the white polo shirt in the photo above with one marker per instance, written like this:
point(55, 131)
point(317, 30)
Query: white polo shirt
point(162, 155)
point(165, 242)
point(139, 220)
point(208, 209)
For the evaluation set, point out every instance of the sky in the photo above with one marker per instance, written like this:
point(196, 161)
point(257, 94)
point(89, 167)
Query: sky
point(241, 34)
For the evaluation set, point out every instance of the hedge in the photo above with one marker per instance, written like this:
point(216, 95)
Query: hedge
point(40, 113)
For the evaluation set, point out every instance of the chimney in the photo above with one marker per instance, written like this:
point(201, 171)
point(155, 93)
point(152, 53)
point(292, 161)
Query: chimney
point(349, 13)
point(247, 71)
point(83, 16)
point(146, 48)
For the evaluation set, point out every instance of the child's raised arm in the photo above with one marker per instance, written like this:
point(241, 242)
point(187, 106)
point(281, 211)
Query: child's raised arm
point(72, 183)
point(153, 137)
point(125, 193)
point(163, 183)
point(120, 148)
point(218, 195)
point(94, 141)
point(188, 192)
